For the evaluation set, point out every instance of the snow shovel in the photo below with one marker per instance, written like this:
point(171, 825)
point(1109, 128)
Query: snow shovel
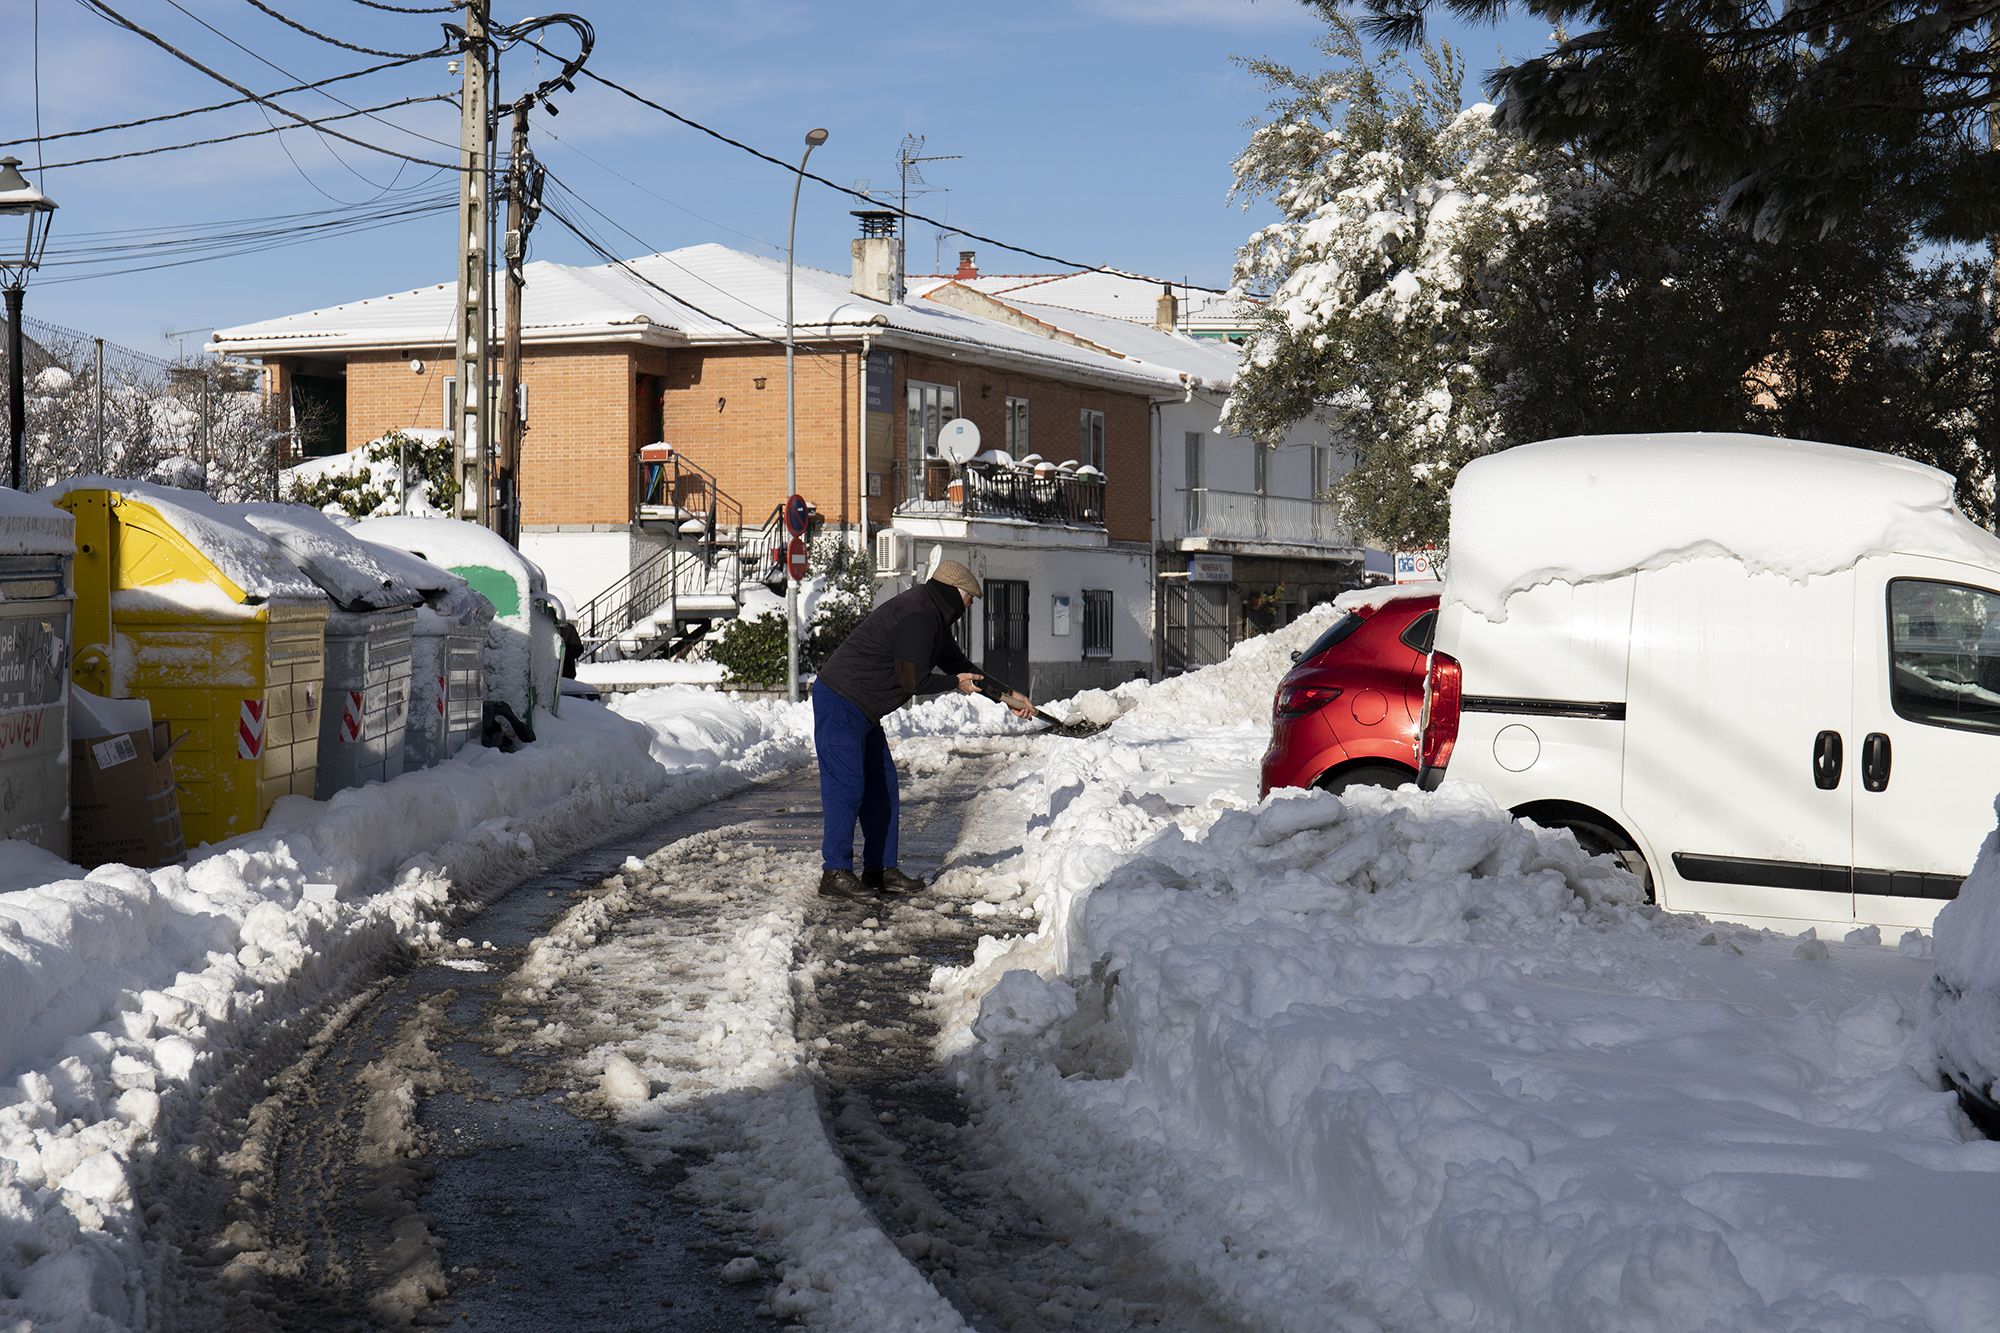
point(996, 690)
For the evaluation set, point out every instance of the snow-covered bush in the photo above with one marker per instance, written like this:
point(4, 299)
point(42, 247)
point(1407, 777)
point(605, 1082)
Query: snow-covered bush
point(403, 472)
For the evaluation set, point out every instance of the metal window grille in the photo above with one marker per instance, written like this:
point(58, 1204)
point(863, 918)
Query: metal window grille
point(1097, 622)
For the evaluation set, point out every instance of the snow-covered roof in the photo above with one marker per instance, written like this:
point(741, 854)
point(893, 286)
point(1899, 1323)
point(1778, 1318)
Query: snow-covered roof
point(1105, 292)
point(30, 525)
point(1593, 507)
point(729, 297)
point(343, 565)
point(243, 555)
point(1209, 362)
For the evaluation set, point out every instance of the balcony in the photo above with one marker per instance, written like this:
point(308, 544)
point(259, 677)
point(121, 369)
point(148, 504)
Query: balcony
point(1222, 518)
point(1045, 496)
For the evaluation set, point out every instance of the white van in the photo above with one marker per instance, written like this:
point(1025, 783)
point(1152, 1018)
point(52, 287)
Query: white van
point(1766, 672)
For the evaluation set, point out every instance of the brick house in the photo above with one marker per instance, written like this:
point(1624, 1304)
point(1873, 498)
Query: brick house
point(683, 349)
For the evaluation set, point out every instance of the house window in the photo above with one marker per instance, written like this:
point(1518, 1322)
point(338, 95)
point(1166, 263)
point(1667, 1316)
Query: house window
point(931, 405)
point(1017, 427)
point(1097, 622)
point(1323, 473)
point(1090, 443)
point(1260, 465)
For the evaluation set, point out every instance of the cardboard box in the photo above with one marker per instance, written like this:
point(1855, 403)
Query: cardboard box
point(122, 802)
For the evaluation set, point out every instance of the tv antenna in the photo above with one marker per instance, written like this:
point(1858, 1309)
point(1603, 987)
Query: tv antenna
point(909, 167)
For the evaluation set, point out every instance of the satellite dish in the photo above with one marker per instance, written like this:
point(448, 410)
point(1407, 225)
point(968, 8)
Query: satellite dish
point(958, 441)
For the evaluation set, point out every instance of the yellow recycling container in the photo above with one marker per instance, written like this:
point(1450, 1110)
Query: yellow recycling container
point(182, 603)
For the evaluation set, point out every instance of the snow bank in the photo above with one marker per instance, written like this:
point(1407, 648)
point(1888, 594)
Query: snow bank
point(245, 556)
point(1396, 1059)
point(1962, 1001)
point(30, 525)
point(1597, 506)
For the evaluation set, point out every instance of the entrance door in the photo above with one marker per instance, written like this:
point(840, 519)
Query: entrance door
point(1208, 623)
point(1926, 732)
point(1007, 632)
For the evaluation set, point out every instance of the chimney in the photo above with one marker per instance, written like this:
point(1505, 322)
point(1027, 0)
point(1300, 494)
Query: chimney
point(875, 256)
point(966, 268)
point(1166, 311)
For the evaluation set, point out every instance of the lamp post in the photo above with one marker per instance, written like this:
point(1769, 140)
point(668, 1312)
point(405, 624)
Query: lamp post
point(19, 199)
point(814, 138)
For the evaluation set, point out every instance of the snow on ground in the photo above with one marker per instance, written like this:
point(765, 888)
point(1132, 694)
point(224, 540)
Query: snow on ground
point(1395, 1060)
point(127, 992)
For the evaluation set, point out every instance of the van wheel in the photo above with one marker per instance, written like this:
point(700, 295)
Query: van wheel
point(1603, 839)
point(1365, 775)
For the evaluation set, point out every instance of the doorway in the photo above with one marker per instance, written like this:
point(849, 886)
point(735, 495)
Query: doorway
point(1007, 632)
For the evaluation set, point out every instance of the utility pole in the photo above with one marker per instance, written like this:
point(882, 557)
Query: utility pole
point(524, 204)
point(475, 139)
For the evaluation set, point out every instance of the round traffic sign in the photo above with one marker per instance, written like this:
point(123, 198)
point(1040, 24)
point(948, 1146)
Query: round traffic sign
point(795, 558)
point(796, 515)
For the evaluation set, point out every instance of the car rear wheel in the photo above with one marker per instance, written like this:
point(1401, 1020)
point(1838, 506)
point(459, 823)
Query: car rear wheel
point(1366, 775)
point(1601, 839)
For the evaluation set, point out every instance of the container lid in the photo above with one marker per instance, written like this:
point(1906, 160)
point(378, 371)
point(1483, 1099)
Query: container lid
point(344, 566)
point(243, 555)
point(30, 525)
point(446, 592)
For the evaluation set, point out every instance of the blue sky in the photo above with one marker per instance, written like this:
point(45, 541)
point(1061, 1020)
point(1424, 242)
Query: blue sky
point(1095, 129)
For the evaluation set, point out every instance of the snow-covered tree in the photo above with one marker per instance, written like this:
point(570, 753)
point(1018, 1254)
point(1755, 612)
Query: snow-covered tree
point(1400, 211)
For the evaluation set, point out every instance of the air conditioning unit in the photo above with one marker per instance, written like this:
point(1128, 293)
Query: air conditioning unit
point(893, 553)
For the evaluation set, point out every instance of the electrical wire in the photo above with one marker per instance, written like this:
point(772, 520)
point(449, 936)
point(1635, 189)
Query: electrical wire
point(317, 35)
point(41, 138)
point(303, 235)
point(97, 247)
point(114, 16)
point(247, 134)
point(671, 203)
point(795, 169)
point(409, 9)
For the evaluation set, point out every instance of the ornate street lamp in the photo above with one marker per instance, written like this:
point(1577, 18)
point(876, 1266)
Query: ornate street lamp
point(814, 138)
point(22, 200)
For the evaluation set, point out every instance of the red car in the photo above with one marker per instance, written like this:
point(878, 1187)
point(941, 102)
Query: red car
point(1346, 715)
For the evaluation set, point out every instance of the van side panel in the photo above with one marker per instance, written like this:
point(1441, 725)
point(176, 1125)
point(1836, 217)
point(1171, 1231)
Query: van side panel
point(1734, 679)
point(1559, 641)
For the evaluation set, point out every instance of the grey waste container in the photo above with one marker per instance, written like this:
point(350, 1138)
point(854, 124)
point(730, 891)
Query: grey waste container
point(447, 659)
point(35, 606)
point(364, 711)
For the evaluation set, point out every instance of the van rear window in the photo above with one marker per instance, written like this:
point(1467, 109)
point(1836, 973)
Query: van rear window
point(1944, 654)
point(1344, 625)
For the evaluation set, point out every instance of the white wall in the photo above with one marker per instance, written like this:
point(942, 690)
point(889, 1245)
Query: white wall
point(579, 564)
point(1228, 462)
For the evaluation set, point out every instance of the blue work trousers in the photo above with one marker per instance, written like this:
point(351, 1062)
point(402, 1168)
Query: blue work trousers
point(857, 779)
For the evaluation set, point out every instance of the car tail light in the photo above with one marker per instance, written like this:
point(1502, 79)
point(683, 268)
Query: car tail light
point(1443, 689)
point(1296, 699)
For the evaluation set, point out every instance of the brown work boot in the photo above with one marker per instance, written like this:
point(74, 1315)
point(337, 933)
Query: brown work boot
point(841, 884)
point(891, 880)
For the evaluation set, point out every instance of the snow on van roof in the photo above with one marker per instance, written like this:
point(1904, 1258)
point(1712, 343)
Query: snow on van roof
point(1594, 507)
point(30, 525)
point(245, 556)
point(338, 561)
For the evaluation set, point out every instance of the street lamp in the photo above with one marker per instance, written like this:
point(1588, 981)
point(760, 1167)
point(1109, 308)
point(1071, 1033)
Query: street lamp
point(814, 138)
point(19, 199)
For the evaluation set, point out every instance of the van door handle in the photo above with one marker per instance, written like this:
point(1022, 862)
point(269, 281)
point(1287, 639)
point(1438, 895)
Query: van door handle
point(1875, 761)
point(1826, 760)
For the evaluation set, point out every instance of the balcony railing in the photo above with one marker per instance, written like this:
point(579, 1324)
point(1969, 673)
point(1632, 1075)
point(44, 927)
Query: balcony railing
point(1246, 516)
point(1064, 499)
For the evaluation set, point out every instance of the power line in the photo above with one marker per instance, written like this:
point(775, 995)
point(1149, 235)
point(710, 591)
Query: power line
point(317, 35)
point(671, 203)
point(114, 16)
point(245, 134)
point(693, 124)
point(409, 9)
point(203, 110)
point(225, 234)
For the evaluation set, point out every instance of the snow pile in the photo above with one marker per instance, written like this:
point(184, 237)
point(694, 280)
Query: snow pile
point(342, 564)
point(30, 525)
point(1962, 1001)
point(243, 555)
point(1595, 507)
point(1396, 1059)
point(1233, 692)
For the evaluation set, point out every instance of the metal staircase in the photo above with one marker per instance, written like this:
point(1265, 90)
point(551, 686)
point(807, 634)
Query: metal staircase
point(670, 602)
